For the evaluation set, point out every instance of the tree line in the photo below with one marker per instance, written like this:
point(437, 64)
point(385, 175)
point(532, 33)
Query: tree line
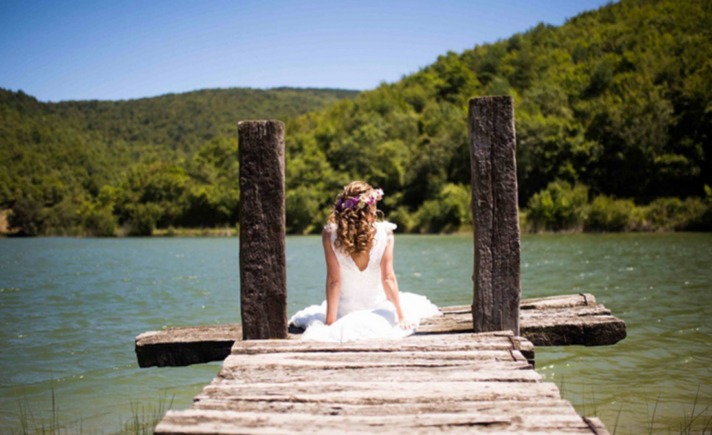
point(613, 125)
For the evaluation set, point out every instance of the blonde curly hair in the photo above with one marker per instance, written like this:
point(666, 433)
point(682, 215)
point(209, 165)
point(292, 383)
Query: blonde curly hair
point(353, 213)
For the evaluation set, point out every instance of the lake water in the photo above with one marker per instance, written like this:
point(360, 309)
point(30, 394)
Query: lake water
point(71, 308)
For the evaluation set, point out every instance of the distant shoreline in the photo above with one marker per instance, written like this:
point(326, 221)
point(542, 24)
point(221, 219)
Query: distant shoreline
point(234, 232)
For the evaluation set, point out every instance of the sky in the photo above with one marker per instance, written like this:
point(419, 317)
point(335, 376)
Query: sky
point(113, 50)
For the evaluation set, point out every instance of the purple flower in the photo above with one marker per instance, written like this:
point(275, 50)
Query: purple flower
point(359, 201)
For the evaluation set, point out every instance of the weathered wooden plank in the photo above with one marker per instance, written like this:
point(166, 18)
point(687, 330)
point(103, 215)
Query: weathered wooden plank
point(348, 359)
point(376, 391)
point(332, 360)
point(483, 341)
point(494, 211)
point(592, 331)
point(563, 301)
point(461, 321)
point(502, 407)
point(188, 334)
point(263, 268)
point(233, 422)
point(485, 351)
point(558, 301)
point(469, 357)
point(537, 316)
point(553, 324)
point(502, 372)
point(174, 347)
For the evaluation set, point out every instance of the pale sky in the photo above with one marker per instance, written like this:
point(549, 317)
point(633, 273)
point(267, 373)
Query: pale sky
point(110, 50)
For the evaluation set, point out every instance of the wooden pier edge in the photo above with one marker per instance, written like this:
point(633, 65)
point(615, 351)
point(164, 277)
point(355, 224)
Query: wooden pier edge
point(551, 321)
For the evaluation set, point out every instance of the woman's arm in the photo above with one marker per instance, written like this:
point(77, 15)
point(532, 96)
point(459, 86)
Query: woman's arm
point(333, 277)
point(389, 280)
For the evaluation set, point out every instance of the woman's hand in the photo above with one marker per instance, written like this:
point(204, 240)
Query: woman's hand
point(407, 324)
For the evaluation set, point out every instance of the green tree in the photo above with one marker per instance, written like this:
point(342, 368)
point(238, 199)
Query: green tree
point(448, 213)
point(26, 217)
point(610, 214)
point(560, 206)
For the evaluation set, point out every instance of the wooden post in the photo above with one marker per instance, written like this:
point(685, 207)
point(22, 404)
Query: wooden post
point(496, 279)
point(263, 271)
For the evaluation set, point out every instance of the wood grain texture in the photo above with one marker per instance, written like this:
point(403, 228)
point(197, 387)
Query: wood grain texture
point(495, 215)
point(552, 321)
point(235, 422)
point(263, 268)
point(184, 346)
point(420, 384)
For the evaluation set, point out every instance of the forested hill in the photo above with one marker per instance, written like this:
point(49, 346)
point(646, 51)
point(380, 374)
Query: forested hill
point(55, 158)
point(615, 104)
point(613, 119)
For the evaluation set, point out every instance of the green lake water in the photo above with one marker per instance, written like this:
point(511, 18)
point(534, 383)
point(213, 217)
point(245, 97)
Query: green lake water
point(71, 308)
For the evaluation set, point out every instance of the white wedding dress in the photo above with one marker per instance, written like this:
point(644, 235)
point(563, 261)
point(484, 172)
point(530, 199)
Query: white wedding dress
point(364, 312)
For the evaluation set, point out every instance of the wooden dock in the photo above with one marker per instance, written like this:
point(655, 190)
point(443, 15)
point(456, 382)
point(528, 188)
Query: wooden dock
point(443, 379)
point(460, 382)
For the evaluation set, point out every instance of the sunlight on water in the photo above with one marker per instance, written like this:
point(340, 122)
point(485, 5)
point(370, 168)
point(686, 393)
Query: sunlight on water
point(71, 308)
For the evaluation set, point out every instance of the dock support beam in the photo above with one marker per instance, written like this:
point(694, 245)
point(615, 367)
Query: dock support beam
point(263, 269)
point(496, 276)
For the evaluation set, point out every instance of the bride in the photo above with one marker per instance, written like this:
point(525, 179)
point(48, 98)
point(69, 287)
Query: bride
point(362, 296)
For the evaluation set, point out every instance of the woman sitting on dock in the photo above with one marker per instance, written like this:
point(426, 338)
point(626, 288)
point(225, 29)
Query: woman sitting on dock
point(362, 296)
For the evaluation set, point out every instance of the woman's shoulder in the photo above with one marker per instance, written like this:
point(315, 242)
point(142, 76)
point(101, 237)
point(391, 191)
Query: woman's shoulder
point(386, 226)
point(329, 231)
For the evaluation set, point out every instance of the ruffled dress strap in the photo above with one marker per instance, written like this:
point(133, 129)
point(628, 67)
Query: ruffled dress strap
point(384, 231)
point(330, 228)
point(389, 227)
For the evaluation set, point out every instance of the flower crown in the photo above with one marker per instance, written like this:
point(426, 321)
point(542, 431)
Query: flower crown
point(359, 201)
